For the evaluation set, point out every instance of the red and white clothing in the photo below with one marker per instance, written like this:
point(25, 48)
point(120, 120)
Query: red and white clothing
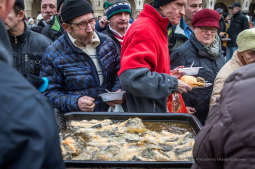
point(145, 63)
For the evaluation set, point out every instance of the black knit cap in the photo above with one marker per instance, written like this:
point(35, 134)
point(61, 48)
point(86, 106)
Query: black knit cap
point(20, 4)
point(59, 2)
point(235, 4)
point(158, 3)
point(74, 8)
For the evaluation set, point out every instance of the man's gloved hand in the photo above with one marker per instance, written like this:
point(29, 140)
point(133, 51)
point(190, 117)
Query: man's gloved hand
point(35, 80)
point(39, 83)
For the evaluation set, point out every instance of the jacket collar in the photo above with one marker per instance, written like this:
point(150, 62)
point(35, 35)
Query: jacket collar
point(94, 44)
point(153, 14)
point(186, 28)
point(238, 13)
point(238, 60)
point(21, 38)
point(56, 24)
point(70, 43)
point(201, 49)
point(179, 30)
point(78, 50)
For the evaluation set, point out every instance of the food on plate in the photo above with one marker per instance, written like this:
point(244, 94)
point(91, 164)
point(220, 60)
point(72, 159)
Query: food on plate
point(193, 81)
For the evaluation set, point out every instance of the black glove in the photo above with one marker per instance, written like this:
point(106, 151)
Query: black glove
point(35, 80)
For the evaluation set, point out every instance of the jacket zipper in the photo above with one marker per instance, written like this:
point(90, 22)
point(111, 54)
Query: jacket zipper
point(154, 107)
point(15, 40)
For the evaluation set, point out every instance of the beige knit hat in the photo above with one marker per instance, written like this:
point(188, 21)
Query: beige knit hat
point(246, 40)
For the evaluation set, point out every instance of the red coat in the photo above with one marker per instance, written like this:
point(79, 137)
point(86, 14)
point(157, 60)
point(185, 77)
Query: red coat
point(145, 44)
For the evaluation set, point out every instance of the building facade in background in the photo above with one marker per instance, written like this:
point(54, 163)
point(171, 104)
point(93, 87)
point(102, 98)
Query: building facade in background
point(32, 7)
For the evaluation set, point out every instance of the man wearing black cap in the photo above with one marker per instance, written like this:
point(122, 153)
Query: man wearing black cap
point(28, 46)
point(238, 23)
point(81, 64)
point(28, 133)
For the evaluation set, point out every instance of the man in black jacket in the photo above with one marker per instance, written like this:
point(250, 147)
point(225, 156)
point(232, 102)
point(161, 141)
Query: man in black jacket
point(238, 23)
point(222, 29)
point(28, 134)
point(28, 46)
point(54, 29)
point(48, 9)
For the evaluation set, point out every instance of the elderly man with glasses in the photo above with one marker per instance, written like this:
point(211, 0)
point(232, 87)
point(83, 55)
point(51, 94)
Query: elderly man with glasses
point(82, 63)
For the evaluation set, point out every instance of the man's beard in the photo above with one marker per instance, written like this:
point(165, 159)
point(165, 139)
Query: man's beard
point(11, 28)
point(7, 27)
point(122, 26)
point(83, 40)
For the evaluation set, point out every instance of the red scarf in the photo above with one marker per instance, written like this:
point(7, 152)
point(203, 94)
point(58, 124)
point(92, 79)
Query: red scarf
point(119, 38)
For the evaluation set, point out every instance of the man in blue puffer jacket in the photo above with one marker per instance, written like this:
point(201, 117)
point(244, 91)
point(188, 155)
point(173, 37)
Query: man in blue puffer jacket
point(81, 64)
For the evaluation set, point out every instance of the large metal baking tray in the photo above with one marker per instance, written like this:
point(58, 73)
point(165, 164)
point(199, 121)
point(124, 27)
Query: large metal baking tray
point(175, 117)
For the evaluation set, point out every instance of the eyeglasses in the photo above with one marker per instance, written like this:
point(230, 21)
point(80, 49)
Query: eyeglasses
point(84, 24)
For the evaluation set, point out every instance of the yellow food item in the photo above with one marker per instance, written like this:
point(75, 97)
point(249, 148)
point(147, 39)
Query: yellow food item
point(69, 145)
point(193, 81)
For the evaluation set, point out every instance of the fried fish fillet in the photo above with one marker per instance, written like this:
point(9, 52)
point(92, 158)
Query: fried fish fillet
point(193, 81)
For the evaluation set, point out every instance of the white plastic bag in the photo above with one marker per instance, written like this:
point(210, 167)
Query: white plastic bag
point(116, 108)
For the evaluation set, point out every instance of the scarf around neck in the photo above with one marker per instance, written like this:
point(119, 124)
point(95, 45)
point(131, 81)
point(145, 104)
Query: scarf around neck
point(212, 51)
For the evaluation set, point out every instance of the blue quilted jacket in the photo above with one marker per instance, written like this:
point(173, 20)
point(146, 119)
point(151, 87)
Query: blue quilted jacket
point(72, 73)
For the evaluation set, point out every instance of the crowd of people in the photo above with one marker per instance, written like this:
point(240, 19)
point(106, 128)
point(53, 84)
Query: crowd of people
point(68, 58)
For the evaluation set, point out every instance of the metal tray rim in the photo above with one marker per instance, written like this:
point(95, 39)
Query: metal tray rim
point(125, 164)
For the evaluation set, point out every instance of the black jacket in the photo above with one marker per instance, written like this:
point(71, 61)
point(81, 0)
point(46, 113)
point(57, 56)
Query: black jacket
point(227, 139)
point(39, 27)
point(191, 51)
point(52, 30)
point(238, 23)
point(147, 92)
point(176, 36)
point(108, 32)
point(222, 25)
point(28, 134)
point(28, 49)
